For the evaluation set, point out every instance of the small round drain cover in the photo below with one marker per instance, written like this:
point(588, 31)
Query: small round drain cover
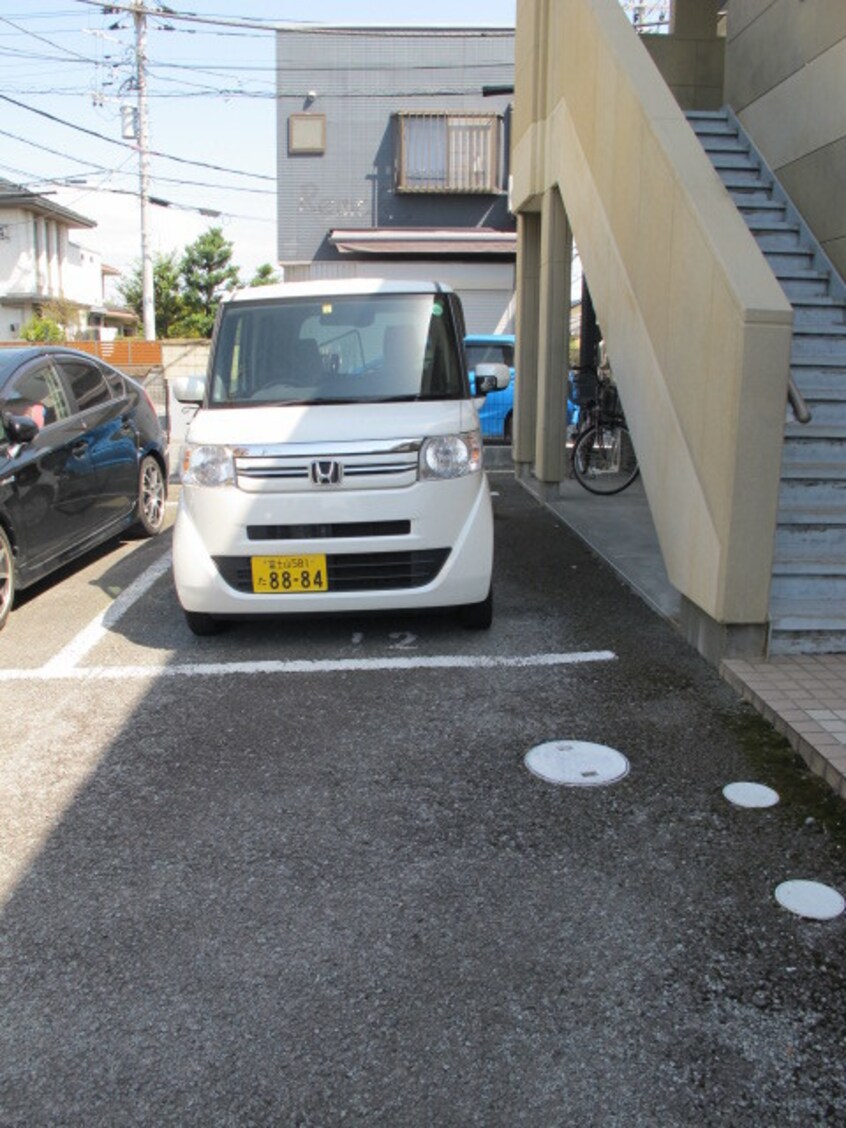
point(750, 794)
point(810, 899)
point(576, 763)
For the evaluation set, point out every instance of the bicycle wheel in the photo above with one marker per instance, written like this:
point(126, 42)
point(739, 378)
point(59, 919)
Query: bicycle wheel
point(604, 460)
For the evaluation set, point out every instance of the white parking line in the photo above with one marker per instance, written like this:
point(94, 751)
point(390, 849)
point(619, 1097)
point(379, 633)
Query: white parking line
point(63, 663)
point(66, 664)
point(54, 672)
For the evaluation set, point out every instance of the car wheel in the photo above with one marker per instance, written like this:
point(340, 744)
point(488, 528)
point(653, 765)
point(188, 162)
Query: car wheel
point(151, 497)
point(202, 624)
point(7, 578)
point(478, 616)
point(507, 429)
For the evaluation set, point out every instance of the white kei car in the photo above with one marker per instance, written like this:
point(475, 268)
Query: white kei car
point(335, 461)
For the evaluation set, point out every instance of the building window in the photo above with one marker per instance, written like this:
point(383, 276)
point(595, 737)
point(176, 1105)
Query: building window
point(306, 134)
point(442, 152)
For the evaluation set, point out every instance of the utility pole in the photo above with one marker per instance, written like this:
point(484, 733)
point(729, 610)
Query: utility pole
point(140, 15)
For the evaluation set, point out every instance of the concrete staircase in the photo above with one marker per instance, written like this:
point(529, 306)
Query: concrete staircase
point(808, 593)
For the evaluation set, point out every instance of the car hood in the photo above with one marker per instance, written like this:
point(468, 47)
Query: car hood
point(325, 423)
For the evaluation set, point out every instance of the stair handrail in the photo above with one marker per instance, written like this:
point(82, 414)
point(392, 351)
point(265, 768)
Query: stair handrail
point(798, 404)
point(797, 401)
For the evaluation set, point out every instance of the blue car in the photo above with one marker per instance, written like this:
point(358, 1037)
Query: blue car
point(497, 411)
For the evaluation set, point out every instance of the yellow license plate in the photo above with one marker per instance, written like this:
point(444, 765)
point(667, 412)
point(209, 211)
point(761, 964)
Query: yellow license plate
point(289, 575)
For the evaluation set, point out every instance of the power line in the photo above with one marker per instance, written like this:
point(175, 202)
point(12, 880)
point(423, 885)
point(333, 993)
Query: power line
point(19, 54)
point(41, 39)
point(158, 201)
point(53, 152)
point(123, 145)
point(112, 171)
point(299, 26)
point(170, 14)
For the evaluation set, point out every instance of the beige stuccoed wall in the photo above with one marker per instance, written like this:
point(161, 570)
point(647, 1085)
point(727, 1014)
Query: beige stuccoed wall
point(691, 57)
point(698, 330)
point(786, 80)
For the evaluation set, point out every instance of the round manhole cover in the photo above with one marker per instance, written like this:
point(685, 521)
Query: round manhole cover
point(810, 899)
point(576, 763)
point(745, 794)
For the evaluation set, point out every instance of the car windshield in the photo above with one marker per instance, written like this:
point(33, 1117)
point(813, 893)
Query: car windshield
point(489, 353)
point(337, 349)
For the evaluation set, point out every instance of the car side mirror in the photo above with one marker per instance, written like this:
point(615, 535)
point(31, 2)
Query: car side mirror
point(189, 389)
point(491, 378)
point(21, 429)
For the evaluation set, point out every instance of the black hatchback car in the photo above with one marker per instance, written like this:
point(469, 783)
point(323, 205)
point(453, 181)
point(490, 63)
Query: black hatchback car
point(82, 457)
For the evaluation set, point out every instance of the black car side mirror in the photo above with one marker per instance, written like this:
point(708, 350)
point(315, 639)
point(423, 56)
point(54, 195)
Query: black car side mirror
point(20, 428)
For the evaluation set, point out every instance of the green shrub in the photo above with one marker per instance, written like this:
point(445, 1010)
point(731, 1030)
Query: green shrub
point(42, 330)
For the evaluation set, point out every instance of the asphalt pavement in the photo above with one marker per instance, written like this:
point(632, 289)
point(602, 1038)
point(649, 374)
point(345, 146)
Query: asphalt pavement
point(300, 873)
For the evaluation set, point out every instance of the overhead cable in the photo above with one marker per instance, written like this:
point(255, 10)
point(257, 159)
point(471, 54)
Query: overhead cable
point(123, 145)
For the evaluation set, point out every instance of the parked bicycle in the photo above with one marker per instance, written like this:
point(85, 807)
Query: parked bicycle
point(603, 458)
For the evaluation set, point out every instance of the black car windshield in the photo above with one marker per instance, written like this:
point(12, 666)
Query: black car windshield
point(336, 349)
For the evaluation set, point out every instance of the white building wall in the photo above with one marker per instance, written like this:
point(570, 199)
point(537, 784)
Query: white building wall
point(38, 260)
point(17, 263)
point(83, 276)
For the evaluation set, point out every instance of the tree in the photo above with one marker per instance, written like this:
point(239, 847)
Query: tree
point(65, 313)
point(207, 273)
point(42, 330)
point(167, 298)
point(265, 275)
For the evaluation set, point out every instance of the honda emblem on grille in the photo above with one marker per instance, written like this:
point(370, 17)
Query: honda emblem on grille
point(326, 472)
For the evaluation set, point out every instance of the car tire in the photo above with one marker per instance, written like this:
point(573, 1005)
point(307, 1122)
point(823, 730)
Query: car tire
point(152, 492)
point(507, 431)
point(7, 577)
point(201, 624)
point(478, 616)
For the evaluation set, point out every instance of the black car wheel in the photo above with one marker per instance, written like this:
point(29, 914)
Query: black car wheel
point(7, 578)
point(202, 624)
point(151, 497)
point(478, 616)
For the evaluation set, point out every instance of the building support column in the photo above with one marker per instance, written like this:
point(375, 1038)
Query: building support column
point(63, 257)
point(53, 260)
point(556, 251)
point(41, 274)
point(527, 322)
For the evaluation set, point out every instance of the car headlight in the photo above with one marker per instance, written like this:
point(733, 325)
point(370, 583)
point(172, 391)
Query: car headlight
point(451, 456)
point(207, 465)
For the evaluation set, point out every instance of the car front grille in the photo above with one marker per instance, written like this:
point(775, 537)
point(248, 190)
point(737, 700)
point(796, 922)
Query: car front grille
point(342, 465)
point(333, 531)
point(365, 571)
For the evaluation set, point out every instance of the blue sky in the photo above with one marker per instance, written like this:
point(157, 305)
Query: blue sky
point(65, 72)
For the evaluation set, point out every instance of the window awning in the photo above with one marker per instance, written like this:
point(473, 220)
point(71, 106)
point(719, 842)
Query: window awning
point(423, 241)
